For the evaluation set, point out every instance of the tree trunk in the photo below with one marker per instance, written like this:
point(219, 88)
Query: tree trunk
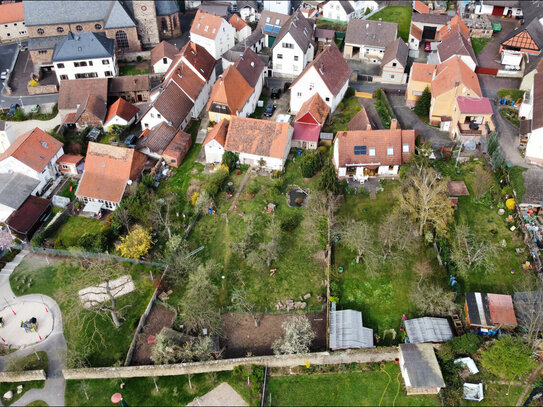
point(115, 319)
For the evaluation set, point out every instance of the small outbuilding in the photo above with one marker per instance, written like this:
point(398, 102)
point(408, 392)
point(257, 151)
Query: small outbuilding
point(347, 331)
point(26, 220)
point(486, 313)
point(420, 369)
point(456, 189)
point(428, 329)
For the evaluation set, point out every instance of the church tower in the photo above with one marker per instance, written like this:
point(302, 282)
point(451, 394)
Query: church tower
point(147, 23)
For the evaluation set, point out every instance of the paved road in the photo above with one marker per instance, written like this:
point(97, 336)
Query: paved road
point(6, 101)
point(508, 138)
point(27, 125)
point(54, 344)
point(7, 53)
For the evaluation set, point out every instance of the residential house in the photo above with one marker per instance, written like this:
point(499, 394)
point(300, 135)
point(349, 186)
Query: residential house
point(90, 113)
point(213, 33)
point(164, 141)
point(133, 88)
point(270, 23)
point(85, 55)
point(394, 63)
point(428, 329)
point(172, 106)
point(192, 4)
point(12, 22)
point(252, 68)
point(328, 75)
point(528, 38)
point(360, 121)
point(33, 154)
point(425, 27)
point(364, 153)
point(7, 135)
point(248, 10)
point(505, 8)
point(73, 93)
point(262, 143)
point(455, 26)
point(308, 123)
point(215, 141)
point(255, 42)
point(420, 78)
point(107, 172)
point(534, 122)
point(367, 39)
point(15, 188)
point(340, 10)
point(420, 7)
point(24, 221)
point(243, 30)
point(217, 8)
point(457, 45)
point(347, 331)
point(471, 119)
point(293, 48)
point(308, 12)
point(162, 56)
point(70, 164)
point(487, 313)
point(278, 6)
point(120, 113)
point(420, 369)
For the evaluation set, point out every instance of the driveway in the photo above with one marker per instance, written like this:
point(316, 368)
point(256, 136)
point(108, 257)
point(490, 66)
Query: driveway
point(7, 53)
point(508, 137)
point(490, 85)
point(490, 55)
point(409, 120)
point(27, 125)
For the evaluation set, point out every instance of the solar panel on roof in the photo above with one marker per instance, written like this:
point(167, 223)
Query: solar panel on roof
point(276, 30)
point(268, 27)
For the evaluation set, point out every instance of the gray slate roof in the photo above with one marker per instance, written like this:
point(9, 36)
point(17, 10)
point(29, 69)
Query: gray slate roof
point(218, 8)
point(369, 32)
point(86, 45)
point(166, 7)
point(421, 365)
point(251, 40)
point(39, 12)
point(347, 331)
point(250, 66)
point(441, 19)
point(15, 188)
point(396, 50)
point(347, 6)
point(35, 44)
point(428, 329)
point(503, 3)
point(300, 28)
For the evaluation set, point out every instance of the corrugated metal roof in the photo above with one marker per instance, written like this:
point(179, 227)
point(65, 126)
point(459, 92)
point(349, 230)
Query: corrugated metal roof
point(428, 329)
point(421, 365)
point(347, 331)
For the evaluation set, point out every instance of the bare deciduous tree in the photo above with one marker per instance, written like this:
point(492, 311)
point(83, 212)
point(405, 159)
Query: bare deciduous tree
point(423, 269)
point(394, 236)
point(320, 221)
point(176, 257)
point(424, 199)
point(468, 251)
point(245, 242)
point(272, 247)
point(122, 215)
point(168, 348)
point(297, 338)
point(481, 182)
point(432, 299)
point(356, 235)
point(161, 213)
point(529, 310)
point(204, 202)
point(242, 303)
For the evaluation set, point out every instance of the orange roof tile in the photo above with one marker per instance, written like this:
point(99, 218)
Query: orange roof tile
point(231, 90)
point(11, 12)
point(456, 25)
point(206, 24)
point(452, 73)
point(187, 80)
point(258, 137)
point(416, 32)
point(125, 110)
point(237, 22)
point(70, 159)
point(501, 309)
point(316, 107)
point(421, 7)
point(35, 149)
point(107, 171)
point(164, 49)
point(218, 133)
point(422, 72)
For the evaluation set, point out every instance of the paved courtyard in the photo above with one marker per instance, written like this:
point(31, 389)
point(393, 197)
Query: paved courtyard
point(14, 334)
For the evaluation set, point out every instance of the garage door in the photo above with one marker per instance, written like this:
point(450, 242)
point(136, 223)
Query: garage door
point(498, 11)
point(429, 33)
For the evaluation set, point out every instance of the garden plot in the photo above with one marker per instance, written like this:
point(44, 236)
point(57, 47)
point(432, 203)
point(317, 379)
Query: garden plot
point(95, 295)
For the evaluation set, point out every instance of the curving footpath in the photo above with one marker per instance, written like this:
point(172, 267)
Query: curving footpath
point(54, 345)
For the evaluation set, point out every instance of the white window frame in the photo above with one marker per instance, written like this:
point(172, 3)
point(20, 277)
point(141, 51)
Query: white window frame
point(390, 151)
point(405, 148)
point(371, 152)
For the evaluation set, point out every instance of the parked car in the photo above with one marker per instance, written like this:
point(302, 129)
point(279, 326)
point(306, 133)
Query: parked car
point(427, 46)
point(4, 75)
point(94, 134)
point(270, 108)
point(12, 109)
point(130, 141)
point(275, 93)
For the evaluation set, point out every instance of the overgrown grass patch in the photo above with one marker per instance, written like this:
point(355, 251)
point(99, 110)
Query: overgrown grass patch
point(510, 94)
point(511, 115)
point(66, 190)
point(331, 25)
point(76, 226)
point(32, 361)
point(125, 70)
point(478, 44)
point(517, 181)
point(343, 114)
point(396, 14)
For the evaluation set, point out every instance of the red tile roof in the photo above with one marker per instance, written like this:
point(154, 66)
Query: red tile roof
point(218, 133)
point(178, 148)
point(306, 132)
point(11, 13)
point(378, 139)
point(74, 92)
point(25, 218)
point(316, 107)
point(421, 7)
point(474, 105)
point(416, 32)
point(107, 171)
point(187, 80)
point(422, 72)
point(501, 309)
point(454, 72)
point(258, 137)
point(197, 57)
point(125, 110)
point(163, 50)
point(359, 121)
point(34, 148)
point(231, 90)
point(456, 25)
point(70, 159)
point(237, 22)
point(206, 24)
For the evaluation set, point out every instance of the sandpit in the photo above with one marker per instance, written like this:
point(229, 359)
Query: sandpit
point(13, 334)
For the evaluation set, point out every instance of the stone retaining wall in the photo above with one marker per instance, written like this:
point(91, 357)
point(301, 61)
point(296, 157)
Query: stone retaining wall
point(133, 56)
point(14, 377)
point(321, 358)
point(40, 90)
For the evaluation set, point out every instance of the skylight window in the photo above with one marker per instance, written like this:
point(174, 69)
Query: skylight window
point(206, 28)
point(359, 150)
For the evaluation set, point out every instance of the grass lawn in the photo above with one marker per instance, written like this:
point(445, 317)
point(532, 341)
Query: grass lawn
point(29, 362)
point(496, 395)
point(125, 70)
point(372, 388)
point(66, 191)
point(343, 115)
point(172, 390)
point(75, 226)
point(297, 273)
point(396, 14)
point(511, 115)
point(37, 403)
point(478, 44)
point(517, 181)
point(53, 280)
point(5, 387)
point(331, 25)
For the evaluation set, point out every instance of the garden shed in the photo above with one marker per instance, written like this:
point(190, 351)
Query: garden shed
point(347, 331)
point(428, 329)
point(420, 369)
point(487, 313)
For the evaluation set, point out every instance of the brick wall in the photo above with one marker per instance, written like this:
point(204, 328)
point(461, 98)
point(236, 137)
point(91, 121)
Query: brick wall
point(41, 58)
point(169, 22)
point(134, 44)
point(145, 14)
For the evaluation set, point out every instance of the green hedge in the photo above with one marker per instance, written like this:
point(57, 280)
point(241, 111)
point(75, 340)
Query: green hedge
point(383, 108)
point(50, 230)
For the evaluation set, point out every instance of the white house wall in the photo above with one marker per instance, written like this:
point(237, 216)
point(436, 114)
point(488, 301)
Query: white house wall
point(534, 147)
point(334, 11)
point(160, 66)
point(7, 137)
point(98, 67)
point(117, 120)
point(214, 152)
point(222, 42)
point(5, 211)
point(287, 66)
point(278, 6)
point(243, 33)
point(248, 13)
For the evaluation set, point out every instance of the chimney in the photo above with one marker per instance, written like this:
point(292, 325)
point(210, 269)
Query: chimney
point(393, 124)
point(368, 126)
